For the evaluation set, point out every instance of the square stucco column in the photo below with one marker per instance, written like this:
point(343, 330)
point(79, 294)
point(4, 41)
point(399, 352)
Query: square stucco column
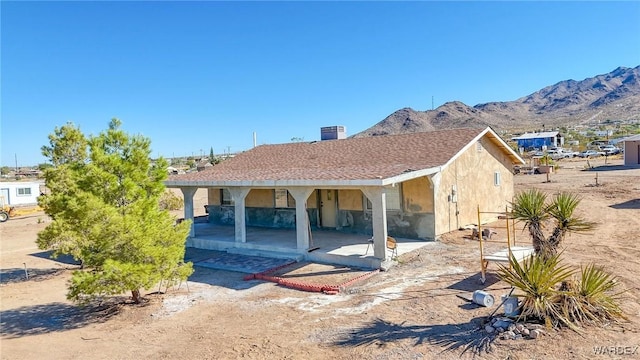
point(434, 182)
point(302, 217)
point(188, 194)
point(239, 194)
point(378, 200)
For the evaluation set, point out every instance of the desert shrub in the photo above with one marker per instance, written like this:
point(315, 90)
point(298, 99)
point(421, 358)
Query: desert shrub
point(169, 201)
point(552, 293)
point(537, 280)
point(592, 297)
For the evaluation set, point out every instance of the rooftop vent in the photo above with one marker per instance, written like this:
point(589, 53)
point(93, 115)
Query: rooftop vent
point(333, 133)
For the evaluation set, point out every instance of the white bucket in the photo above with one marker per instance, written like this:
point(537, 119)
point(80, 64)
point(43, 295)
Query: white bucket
point(483, 298)
point(510, 305)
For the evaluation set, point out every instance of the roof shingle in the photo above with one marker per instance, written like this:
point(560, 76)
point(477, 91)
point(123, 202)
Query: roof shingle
point(376, 157)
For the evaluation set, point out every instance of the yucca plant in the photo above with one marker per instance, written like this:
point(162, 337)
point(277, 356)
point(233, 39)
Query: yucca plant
point(592, 298)
point(537, 281)
point(561, 209)
point(530, 206)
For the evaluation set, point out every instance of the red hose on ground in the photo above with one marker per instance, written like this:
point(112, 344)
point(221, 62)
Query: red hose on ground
point(326, 289)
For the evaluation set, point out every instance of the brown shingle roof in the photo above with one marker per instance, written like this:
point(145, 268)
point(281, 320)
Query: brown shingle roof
point(376, 157)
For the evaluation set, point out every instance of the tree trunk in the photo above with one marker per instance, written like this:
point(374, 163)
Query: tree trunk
point(537, 238)
point(135, 294)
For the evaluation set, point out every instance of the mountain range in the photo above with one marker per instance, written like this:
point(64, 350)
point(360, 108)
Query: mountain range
point(611, 96)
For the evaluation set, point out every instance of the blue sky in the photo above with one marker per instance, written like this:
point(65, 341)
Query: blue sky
point(196, 75)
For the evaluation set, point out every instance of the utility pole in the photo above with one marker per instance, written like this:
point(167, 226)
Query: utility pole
point(16, 157)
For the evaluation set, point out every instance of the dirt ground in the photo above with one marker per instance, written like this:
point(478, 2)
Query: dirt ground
point(409, 312)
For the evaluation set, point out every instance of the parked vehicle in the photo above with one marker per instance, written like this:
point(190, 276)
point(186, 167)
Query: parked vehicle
point(591, 154)
point(560, 153)
point(610, 150)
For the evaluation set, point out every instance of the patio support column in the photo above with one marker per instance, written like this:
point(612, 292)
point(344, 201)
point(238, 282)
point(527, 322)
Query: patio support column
point(434, 181)
point(378, 200)
point(302, 217)
point(239, 194)
point(187, 193)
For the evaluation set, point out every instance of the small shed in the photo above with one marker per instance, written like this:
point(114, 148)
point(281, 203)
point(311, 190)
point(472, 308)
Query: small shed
point(19, 193)
point(632, 150)
point(530, 141)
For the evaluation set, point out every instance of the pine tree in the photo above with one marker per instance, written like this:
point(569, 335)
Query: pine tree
point(212, 158)
point(103, 199)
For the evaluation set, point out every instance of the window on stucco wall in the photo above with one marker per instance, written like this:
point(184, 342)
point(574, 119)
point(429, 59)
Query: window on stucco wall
point(496, 178)
point(23, 191)
point(225, 197)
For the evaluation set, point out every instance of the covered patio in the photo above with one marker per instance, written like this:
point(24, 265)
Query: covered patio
point(326, 246)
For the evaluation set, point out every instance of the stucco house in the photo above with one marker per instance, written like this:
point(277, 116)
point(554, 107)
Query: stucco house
point(414, 186)
point(632, 150)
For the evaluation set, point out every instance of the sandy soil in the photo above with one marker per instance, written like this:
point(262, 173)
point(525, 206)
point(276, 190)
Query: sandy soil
point(409, 312)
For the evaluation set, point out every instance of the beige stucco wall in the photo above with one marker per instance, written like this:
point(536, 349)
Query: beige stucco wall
point(417, 196)
point(213, 195)
point(472, 174)
point(260, 198)
point(350, 200)
point(631, 157)
point(312, 201)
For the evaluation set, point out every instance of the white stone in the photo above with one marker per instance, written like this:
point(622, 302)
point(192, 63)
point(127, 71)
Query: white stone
point(534, 334)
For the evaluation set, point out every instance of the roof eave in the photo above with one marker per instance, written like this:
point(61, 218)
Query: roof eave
point(271, 184)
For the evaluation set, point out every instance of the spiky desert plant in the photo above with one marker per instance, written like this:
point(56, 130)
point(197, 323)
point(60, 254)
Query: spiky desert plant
point(530, 207)
point(537, 281)
point(562, 209)
point(593, 297)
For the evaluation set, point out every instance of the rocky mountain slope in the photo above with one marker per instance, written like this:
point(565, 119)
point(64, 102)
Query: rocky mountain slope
point(614, 96)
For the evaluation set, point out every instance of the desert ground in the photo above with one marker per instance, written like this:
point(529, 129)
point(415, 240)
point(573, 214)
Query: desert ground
point(412, 311)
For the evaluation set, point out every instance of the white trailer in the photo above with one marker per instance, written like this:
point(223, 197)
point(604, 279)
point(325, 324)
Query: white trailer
point(19, 193)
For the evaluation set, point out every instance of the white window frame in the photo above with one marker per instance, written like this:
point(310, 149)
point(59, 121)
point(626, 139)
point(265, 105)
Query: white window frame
point(497, 178)
point(24, 193)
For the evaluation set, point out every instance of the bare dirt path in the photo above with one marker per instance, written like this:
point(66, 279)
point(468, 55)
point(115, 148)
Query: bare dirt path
point(409, 312)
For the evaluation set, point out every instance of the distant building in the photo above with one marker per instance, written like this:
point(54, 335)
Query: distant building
point(598, 133)
point(632, 150)
point(19, 193)
point(530, 141)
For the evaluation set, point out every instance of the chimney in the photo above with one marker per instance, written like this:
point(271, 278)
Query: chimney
point(333, 133)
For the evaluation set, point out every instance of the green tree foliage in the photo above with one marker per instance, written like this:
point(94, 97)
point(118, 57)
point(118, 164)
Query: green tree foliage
point(104, 196)
point(169, 201)
point(5, 170)
point(44, 166)
point(213, 159)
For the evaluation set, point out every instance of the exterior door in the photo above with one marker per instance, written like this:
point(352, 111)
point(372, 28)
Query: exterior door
point(4, 197)
point(328, 208)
